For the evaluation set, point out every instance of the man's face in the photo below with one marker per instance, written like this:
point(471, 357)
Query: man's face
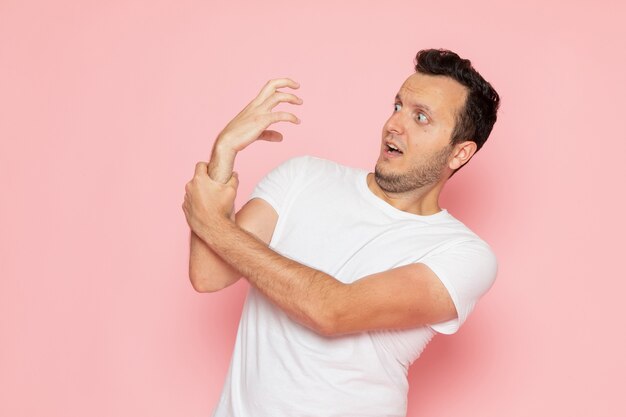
point(420, 127)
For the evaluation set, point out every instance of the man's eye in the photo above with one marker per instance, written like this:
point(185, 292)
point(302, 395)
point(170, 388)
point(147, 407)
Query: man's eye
point(397, 107)
point(421, 117)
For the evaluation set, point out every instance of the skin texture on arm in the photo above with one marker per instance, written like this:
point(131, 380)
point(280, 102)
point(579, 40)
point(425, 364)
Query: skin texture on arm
point(403, 297)
point(207, 271)
point(298, 290)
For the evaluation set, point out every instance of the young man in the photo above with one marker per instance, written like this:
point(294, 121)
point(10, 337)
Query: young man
point(352, 273)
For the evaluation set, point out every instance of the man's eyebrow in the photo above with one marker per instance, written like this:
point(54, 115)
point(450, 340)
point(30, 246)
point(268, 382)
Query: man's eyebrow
point(421, 106)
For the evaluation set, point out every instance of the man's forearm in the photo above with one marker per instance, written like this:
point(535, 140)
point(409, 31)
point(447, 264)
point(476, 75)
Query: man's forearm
point(222, 162)
point(302, 292)
point(204, 264)
point(250, 124)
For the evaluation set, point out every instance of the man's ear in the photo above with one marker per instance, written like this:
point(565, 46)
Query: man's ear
point(462, 153)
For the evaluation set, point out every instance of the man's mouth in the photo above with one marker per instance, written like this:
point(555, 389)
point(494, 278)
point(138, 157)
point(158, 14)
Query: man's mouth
point(392, 149)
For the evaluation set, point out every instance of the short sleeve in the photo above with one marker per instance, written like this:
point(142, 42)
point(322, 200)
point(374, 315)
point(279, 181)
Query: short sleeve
point(274, 187)
point(467, 270)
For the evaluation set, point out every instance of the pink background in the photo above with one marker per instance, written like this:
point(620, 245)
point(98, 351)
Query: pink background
point(105, 107)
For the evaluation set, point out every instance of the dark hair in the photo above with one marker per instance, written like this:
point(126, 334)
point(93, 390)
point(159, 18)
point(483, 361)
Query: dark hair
point(475, 121)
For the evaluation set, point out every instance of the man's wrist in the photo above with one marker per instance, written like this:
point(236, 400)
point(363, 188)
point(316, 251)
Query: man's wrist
point(211, 230)
point(221, 162)
point(222, 147)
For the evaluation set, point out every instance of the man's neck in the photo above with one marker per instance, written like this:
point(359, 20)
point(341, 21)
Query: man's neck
point(421, 201)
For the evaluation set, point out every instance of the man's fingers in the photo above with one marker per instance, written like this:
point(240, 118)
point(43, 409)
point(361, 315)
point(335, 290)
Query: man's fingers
point(283, 116)
point(271, 136)
point(272, 85)
point(280, 97)
point(201, 168)
point(233, 180)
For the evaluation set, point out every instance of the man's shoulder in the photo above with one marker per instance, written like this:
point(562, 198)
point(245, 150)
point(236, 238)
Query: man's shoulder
point(312, 159)
point(316, 166)
point(464, 236)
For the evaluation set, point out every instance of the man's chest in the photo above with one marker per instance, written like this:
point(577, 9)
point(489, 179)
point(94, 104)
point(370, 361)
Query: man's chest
point(343, 235)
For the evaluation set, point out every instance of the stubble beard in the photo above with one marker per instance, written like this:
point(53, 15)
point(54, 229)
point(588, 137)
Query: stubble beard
point(417, 177)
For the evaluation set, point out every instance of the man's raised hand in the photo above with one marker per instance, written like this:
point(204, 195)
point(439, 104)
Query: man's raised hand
point(251, 124)
point(253, 121)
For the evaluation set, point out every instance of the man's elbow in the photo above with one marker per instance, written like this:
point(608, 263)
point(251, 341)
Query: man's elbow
point(198, 285)
point(331, 326)
point(326, 330)
point(327, 321)
point(203, 285)
point(329, 312)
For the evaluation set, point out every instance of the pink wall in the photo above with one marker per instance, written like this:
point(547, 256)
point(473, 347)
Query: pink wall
point(106, 106)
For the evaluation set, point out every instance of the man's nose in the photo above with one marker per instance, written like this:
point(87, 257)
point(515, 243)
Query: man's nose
point(395, 123)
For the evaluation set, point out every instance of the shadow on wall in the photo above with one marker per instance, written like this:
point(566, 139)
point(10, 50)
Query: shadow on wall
point(452, 366)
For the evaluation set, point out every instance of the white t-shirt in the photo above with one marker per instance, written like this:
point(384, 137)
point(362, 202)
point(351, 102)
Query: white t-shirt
point(330, 220)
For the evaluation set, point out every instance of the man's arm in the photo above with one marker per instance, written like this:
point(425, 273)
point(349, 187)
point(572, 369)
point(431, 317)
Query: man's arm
point(403, 297)
point(207, 271)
